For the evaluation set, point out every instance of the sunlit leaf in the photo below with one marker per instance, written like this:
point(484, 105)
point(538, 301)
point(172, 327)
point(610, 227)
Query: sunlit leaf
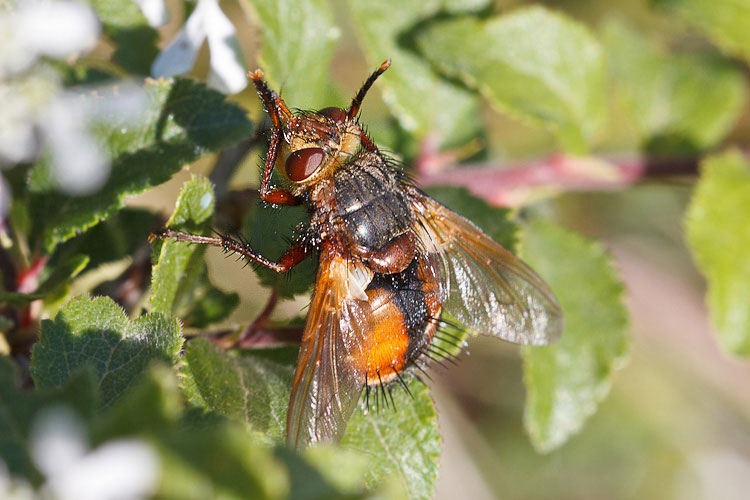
point(250, 388)
point(727, 23)
point(533, 64)
point(182, 120)
point(718, 234)
point(96, 332)
point(566, 381)
point(254, 388)
point(179, 265)
point(298, 41)
point(400, 438)
point(678, 102)
point(423, 102)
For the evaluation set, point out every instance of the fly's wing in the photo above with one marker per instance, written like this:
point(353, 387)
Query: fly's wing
point(327, 385)
point(486, 287)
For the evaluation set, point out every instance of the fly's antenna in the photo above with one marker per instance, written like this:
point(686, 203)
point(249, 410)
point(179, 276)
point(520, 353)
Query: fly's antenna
point(267, 96)
point(357, 101)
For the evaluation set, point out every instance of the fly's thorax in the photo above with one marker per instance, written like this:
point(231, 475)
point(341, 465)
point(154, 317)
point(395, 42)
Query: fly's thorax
point(373, 213)
point(314, 147)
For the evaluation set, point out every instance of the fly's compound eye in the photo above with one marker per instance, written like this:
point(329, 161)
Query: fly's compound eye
point(336, 114)
point(303, 163)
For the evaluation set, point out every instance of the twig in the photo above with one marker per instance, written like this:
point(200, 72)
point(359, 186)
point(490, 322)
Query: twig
point(228, 160)
point(261, 321)
point(517, 184)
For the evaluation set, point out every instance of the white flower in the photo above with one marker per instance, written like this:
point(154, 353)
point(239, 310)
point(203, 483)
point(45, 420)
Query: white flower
point(22, 102)
point(35, 111)
point(76, 162)
point(207, 21)
point(154, 11)
point(125, 469)
point(44, 28)
point(39, 114)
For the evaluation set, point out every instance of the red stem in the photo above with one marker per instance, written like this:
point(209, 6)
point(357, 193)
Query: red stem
point(516, 184)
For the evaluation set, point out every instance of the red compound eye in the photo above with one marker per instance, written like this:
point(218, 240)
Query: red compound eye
point(336, 114)
point(303, 163)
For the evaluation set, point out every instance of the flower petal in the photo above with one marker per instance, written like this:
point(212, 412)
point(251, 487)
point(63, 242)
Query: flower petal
point(154, 11)
point(17, 139)
point(57, 441)
point(227, 73)
point(123, 469)
point(77, 164)
point(180, 54)
point(58, 29)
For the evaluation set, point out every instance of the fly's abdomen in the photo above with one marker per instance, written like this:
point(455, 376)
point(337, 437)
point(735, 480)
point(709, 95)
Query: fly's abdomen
point(401, 321)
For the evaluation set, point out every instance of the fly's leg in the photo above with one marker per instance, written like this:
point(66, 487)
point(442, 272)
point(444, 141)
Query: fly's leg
point(293, 256)
point(274, 105)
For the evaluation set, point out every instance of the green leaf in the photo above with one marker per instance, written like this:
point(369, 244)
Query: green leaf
point(135, 41)
point(6, 324)
point(533, 64)
point(726, 23)
point(18, 409)
point(180, 265)
point(495, 221)
point(567, 380)
point(252, 389)
point(63, 273)
point(718, 235)
point(298, 41)
point(220, 462)
point(269, 230)
point(213, 461)
point(423, 102)
point(180, 283)
point(212, 306)
point(182, 120)
point(324, 472)
point(153, 407)
point(114, 239)
point(96, 332)
point(153, 403)
point(403, 442)
point(687, 101)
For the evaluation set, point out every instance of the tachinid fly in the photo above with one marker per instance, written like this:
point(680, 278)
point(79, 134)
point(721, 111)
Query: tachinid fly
point(391, 261)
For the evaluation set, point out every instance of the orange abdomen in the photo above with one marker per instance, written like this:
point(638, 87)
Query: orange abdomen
point(403, 313)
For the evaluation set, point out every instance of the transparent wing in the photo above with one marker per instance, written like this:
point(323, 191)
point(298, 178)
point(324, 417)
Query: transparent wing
point(327, 384)
point(487, 288)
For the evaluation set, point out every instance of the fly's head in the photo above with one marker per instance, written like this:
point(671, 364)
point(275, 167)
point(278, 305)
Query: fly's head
point(315, 144)
point(308, 147)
